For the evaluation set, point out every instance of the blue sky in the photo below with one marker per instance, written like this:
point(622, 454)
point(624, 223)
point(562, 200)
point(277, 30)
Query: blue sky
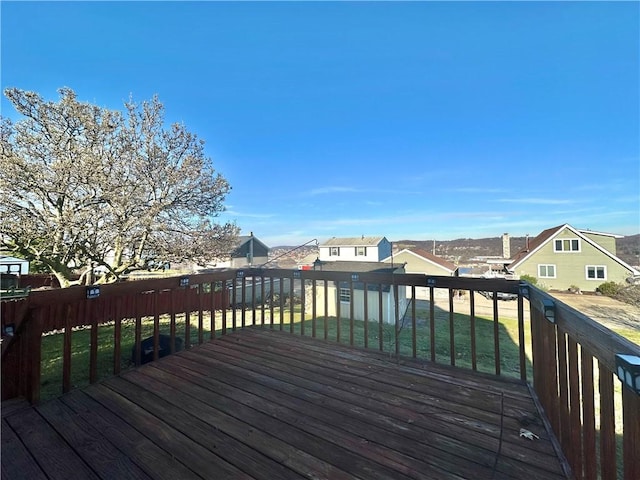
point(412, 120)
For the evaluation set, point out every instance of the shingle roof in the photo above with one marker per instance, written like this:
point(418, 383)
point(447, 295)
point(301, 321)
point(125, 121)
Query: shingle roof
point(352, 242)
point(433, 258)
point(547, 234)
point(360, 267)
point(534, 243)
point(242, 239)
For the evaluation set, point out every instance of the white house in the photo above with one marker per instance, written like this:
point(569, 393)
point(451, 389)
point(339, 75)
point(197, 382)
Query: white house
point(358, 249)
point(13, 265)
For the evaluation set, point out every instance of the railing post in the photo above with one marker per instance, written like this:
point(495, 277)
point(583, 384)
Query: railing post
point(631, 440)
point(31, 356)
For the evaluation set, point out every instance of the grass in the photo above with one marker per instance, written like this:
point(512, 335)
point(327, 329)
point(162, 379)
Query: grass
point(52, 351)
point(52, 344)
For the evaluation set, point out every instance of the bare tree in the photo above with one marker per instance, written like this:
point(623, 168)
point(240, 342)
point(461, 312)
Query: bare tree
point(84, 186)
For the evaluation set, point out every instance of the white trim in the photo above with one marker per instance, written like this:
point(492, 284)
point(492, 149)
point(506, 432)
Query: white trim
point(571, 250)
point(348, 294)
point(555, 270)
point(614, 235)
point(596, 278)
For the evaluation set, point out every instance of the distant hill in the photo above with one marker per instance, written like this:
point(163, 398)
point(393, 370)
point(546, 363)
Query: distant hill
point(629, 249)
point(462, 251)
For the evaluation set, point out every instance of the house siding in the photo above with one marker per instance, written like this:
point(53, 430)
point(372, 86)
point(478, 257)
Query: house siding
point(388, 304)
point(347, 252)
point(570, 267)
point(384, 250)
point(605, 241)
point(415, 264)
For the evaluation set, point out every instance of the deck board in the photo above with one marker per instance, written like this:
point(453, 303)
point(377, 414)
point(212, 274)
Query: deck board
point(266, 404)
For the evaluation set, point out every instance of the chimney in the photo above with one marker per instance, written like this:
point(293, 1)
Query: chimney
point(506, 246)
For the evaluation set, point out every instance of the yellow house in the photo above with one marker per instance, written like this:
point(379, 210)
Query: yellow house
point(418, 260)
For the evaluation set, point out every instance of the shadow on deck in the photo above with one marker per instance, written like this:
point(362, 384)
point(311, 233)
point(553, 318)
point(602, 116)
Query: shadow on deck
point(265, 404)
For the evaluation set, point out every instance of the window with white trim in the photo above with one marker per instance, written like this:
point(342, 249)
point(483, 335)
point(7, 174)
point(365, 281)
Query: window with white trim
point(566, 245)
point(334, 252)
point(546, 271)
point(361, 251)
point(596, 272)
point(345, 295)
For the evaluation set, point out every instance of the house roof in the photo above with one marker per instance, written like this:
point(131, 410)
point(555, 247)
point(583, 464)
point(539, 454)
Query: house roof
point(353, 242)
point(242, 239)
point(547, 235)
point(361, 267)
point(604, 234)
point(428, 256)
point(9, 259)
point(533, 244)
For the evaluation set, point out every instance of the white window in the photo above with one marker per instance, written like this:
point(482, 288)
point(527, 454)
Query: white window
point(345, 295)
point(596, 272)
point(361, 251)
point(546, 271)
point(334, 252)
point(567, 245)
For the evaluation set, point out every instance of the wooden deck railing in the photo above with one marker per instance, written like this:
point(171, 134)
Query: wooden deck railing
point(409, 314)
point(573, 376)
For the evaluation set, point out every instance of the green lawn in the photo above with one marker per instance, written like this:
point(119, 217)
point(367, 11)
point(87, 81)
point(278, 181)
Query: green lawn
point(52, 344)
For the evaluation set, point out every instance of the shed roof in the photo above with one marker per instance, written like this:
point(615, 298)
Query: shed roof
point(9, 259)
point(361, 267)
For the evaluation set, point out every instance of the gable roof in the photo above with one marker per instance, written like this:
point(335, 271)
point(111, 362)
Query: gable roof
point(353, 242)
point(242, 239)
point(428, 256)
point(547, 235)
point(361, 267)
point(10, 259)
point(533, 245)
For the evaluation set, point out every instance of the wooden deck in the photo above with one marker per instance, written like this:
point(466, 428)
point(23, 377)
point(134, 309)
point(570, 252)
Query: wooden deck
point(266, 404)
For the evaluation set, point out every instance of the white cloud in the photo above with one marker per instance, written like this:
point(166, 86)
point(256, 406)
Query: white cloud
point(536, 201)
point(328, 190)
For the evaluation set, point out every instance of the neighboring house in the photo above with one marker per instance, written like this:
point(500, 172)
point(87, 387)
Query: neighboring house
point(248, 252)
point(360, 249)
point(417, 260)
point(14, 265)
point(340, 296)
point(564, 257)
